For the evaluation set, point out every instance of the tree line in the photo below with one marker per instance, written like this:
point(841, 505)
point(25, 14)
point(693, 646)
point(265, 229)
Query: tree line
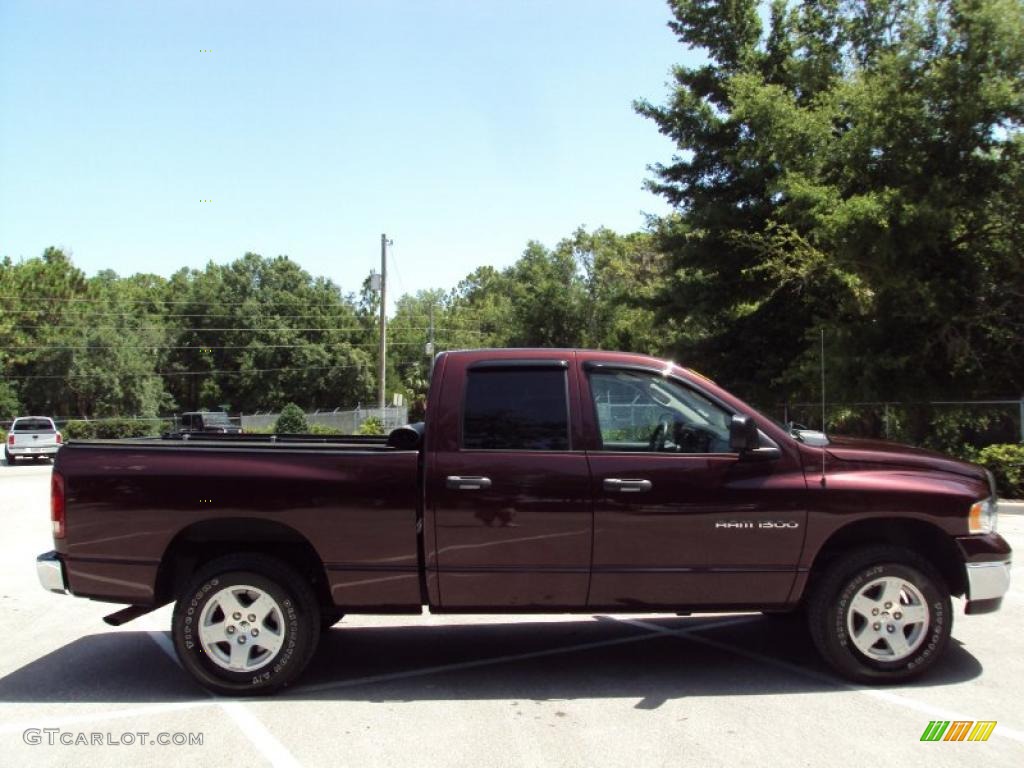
point(260, 332)
point(848, 168)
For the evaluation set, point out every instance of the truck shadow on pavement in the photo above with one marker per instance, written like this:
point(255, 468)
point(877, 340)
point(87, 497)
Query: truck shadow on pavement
point(531, 660)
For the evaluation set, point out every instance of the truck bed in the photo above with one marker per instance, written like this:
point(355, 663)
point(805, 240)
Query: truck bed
point(356, 499)
point(260, 439)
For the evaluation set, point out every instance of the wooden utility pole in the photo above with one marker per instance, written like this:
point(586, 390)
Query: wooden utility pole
point(382, 363)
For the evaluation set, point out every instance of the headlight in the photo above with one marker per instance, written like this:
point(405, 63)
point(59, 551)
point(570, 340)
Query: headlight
point(982, 517)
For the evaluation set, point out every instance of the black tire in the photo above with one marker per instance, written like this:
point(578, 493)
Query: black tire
point(10, 459)
point(830, 615)
point(298, 629)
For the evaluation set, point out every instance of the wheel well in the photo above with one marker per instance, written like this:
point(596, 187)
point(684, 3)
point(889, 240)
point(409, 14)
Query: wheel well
point(199, 543)
point(928, 540)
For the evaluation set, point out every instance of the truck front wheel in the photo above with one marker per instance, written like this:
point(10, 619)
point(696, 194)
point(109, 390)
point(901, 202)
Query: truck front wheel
point(881, 615)
point(246, 625)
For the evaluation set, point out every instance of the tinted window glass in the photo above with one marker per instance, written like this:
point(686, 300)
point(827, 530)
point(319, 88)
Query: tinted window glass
point(516, 410)
point(643, 412)
point(33, 425)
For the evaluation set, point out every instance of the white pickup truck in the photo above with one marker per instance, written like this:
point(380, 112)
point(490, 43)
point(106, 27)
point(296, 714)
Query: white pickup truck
point(32, 437)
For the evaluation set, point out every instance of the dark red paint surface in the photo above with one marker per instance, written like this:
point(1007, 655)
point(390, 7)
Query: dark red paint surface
point(544, 536)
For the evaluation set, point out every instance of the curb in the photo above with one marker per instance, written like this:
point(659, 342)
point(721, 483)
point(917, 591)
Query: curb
point(1007, 507)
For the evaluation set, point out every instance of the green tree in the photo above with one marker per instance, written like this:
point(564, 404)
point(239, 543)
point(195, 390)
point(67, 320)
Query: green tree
point(42, 303)
point(9, 406)
point(480, 309)
point(115, 351)
point(372, 426)
point(619, 276)
point(259, 331)
point(855, 168)
point(292, 420)
point(408, 334)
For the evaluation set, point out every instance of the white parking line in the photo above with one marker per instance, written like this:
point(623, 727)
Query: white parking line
point(888, 696)
point(266, 743)
point(162, 641)
point(275, 752)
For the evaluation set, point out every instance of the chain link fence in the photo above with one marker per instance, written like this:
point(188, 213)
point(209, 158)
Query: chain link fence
point(346, 422)
point(941, 424)
point(944, 425)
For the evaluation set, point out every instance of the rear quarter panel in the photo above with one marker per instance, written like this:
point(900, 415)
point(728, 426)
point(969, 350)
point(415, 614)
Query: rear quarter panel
point(126, 504)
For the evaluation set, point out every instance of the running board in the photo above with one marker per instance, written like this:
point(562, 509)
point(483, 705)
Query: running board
point(125, 615)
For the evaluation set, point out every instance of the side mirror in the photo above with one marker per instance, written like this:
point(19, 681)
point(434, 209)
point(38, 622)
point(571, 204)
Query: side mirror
point(743, 434)
point(407, 438)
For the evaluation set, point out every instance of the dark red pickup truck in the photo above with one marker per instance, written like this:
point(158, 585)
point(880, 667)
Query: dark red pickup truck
point(544, 480)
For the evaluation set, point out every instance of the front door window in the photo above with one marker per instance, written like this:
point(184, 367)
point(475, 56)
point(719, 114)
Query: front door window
point(648, 413)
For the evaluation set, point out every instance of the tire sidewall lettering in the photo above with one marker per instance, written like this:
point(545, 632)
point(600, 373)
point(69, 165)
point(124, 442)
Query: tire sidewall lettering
point(936, 618)
point(263, 676)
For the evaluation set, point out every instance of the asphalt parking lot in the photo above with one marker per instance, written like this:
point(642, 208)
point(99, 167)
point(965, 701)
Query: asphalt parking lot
point(483, 690)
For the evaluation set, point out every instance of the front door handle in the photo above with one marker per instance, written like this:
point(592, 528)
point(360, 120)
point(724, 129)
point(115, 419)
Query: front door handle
point(461, 483)
point(618, 485)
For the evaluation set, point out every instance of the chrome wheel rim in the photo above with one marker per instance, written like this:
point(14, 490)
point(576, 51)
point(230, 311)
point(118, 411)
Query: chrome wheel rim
point(888, 619)
point(241, 628)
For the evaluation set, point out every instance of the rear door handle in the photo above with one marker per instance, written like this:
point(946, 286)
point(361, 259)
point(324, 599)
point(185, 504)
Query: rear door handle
point(618, 485)
point(461, 483)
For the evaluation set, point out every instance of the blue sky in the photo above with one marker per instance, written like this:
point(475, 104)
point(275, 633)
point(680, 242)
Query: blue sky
point(462, 128)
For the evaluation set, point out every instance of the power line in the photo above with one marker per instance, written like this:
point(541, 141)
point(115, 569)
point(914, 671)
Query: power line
point(258, 304)
point(195, 347)
point(251, 329)
point(250, 302)
point(196, 373)
point(274, 315)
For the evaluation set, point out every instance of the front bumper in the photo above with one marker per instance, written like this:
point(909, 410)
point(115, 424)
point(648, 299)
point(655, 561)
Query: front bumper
point(987, 558)
point(50, 570)
point(986, 585)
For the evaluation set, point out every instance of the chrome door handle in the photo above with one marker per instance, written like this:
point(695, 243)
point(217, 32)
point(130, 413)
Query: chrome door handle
point(460, 483)
point(627, 486)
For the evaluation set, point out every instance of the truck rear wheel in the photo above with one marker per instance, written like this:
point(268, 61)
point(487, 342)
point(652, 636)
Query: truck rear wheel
point(881, 615)
point(246, 625)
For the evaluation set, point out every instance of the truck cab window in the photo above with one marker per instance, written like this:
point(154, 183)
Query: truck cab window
point(516, 410)
point(33, 425)
point(645, 412)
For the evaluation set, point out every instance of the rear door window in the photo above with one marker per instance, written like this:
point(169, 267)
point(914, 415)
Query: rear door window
point(33, 425)
point(508, 409)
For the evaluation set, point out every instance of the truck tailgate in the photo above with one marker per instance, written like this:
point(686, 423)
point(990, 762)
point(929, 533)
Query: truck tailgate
point(34, 439)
